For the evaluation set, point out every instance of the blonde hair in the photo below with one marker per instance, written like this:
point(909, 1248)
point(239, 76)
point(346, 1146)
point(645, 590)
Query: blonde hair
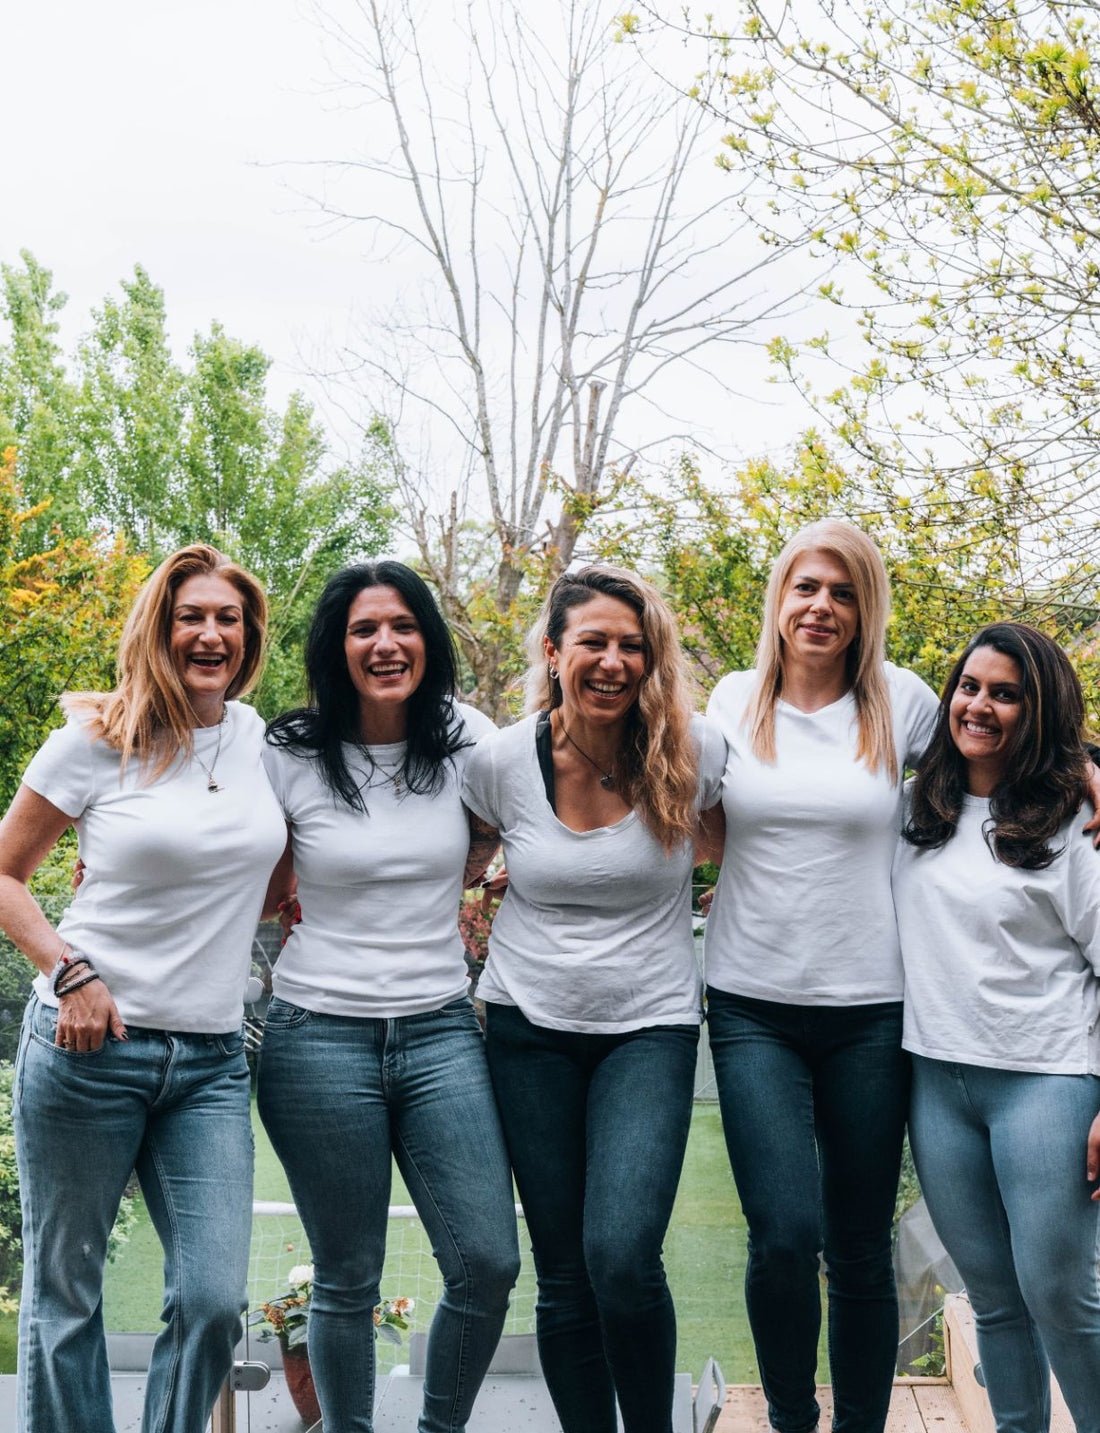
point(660, 764)
point(149, 714)
point(864, 657)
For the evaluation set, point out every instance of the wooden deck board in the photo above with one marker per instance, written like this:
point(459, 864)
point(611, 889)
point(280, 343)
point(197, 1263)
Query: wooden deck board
point(914, 1408)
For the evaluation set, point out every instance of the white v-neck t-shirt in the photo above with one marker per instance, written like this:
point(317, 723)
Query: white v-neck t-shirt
point(379, 889)
point(802, 914)
point(594, 933)
point(175, 874)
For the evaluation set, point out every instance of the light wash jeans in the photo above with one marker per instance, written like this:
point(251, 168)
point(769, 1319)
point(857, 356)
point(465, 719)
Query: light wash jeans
point(1001, 1160)
point(597, 1126)
point(175, 1107)
point(813, 1103)
point(337, 1094)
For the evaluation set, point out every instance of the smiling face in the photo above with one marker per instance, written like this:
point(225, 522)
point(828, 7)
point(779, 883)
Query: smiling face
point(207, 640)
point(385, 652)
point(984, 715)
point(601, 660)
point(819, 610)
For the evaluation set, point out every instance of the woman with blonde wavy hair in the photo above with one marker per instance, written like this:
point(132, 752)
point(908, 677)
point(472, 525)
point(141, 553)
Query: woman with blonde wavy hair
point(804, 973)
point(593, 996)
point(132, 1054)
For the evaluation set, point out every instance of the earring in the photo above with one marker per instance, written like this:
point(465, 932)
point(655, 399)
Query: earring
point(552, 671)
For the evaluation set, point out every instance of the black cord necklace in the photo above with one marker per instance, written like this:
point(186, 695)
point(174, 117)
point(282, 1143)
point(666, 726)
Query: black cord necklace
point(607, 778)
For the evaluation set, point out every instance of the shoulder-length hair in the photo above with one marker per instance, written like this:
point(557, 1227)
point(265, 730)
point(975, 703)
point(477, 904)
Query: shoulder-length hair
point(332, 716)
point(865, 655)
point(659, 769)
point(1046, 775)
point(149, 714)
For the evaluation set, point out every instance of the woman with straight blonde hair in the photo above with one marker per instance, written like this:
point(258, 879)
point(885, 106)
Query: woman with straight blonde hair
point(804, 974)
point(593, 996)
point(132, 1055)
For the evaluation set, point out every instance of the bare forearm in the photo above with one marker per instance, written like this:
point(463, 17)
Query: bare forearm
point(484, 844)
point(22, 919)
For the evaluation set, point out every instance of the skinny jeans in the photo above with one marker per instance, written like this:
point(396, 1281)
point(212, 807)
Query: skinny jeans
point(340, 1097)
point(814, 1101)
point(1001, 1160)
point(597, 1127)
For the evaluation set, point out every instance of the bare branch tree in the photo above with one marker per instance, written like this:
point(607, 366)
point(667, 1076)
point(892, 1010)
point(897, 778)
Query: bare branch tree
point(554, 252)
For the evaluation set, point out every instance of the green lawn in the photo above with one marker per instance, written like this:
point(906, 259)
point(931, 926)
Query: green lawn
point(704, 1253)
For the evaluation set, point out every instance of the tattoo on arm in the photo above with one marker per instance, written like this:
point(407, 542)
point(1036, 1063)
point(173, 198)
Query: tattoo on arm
point(484, 844)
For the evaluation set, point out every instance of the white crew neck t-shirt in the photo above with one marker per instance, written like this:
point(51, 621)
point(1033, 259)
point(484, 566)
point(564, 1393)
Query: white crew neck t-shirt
point(379, 891)
point(175, 875)
point(1002, 966)
point(594, 933)
point(802, 914)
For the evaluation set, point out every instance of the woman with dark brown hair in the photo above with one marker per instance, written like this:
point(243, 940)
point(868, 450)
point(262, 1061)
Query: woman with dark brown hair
point(132, 1054)
point(998, 905)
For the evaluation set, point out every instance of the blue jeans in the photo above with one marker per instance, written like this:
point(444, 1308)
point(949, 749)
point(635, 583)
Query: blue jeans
point(337, 1094)
point(596, 1127)
point(175, 1107)
point(1001, 1160)
point(813, 1104)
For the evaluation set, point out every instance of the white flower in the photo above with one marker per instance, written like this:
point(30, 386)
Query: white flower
point(300, 1276)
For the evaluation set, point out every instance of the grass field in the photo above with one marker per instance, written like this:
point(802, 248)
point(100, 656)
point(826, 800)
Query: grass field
point(704, 1254)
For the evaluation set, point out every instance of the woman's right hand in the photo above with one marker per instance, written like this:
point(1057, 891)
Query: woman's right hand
point(290, 913)
point(86, 1017)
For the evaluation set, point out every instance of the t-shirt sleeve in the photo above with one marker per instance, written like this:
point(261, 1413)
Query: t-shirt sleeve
point(480, 786)
point(61, 770)
point(712, 761)
point(920, 706)
point(1081, 893)
point(277, 763)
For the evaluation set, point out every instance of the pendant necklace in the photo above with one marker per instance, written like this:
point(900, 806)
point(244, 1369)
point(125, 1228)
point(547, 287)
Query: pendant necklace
point(607, 779)
point(211, 784)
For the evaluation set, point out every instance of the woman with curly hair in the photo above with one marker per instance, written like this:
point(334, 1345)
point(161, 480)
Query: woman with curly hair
point(998, 904)
point(132, 1052)
point(592, 992)
point(372, 1051)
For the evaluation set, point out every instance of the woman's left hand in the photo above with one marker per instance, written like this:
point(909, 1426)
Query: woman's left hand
point(1092, 1164)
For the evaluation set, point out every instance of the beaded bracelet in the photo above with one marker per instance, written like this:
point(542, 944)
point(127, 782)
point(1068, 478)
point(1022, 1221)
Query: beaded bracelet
point(65, 966)
point(76, 984)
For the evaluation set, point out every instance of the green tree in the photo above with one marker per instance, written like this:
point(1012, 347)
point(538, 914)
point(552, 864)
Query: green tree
point(947, 152)
point(36, 395)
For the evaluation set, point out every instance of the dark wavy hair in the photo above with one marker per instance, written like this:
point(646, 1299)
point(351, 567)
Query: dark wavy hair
point(332, 716)
point(1046, 775)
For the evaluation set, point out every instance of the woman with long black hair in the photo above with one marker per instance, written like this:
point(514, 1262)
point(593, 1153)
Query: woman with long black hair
point(998, 905)
point(372, 1050)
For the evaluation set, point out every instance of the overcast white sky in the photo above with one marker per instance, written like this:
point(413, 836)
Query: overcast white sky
point(158, 131)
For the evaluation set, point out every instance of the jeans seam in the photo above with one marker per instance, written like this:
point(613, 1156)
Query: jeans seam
point(468, 1282)
point(176, 1326)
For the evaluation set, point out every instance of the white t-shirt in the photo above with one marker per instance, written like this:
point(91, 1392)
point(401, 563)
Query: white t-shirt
point(379, 891)
point(1002, 966)
point(802, 914)
point(594, 933)
point(175, 874)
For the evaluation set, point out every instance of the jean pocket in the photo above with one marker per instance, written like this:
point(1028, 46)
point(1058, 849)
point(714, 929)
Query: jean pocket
point(462, 1006)
point(231, 1045)
point(281, 1015)
point(42, 1026)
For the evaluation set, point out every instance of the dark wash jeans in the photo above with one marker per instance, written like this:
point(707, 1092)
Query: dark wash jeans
point(596, 1127)
point(814, 1100)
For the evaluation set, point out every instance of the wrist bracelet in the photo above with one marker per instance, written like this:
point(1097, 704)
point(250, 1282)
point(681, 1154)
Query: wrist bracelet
point(67, 963)
point(76, 984)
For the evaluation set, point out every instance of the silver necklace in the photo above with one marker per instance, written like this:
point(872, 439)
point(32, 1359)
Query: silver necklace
point(211, 784)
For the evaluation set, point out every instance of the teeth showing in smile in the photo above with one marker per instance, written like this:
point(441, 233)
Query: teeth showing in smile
point(976, 730)
point(207, 660)
point(607, 689)
point(387, 669)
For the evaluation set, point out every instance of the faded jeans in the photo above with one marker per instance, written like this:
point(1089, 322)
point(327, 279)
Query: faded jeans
point(337, 1095)
point(175, 1107)
point(1001, 1160)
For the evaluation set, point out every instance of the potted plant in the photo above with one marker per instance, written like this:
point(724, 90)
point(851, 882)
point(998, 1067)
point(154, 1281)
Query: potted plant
point(285, 1318)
